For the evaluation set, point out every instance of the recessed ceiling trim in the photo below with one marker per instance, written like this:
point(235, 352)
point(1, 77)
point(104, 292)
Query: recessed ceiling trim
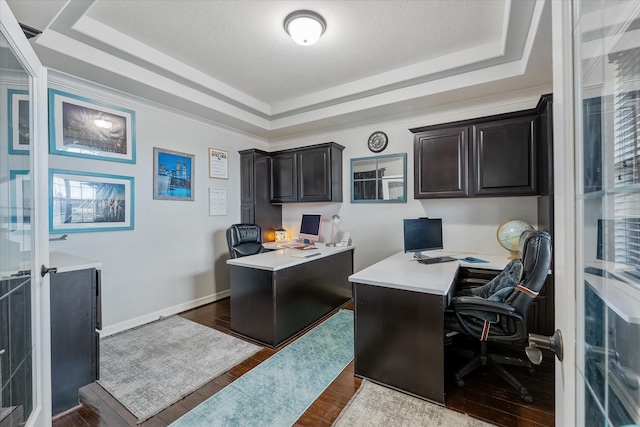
point(97, 31)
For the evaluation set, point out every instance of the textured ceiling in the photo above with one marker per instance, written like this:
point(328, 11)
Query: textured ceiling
point(233, 63)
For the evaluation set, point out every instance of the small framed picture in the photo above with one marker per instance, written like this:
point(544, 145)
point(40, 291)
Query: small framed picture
point(82, 127)
point(83, 201)
point(18, 121)
point(218, 164)
point(173, 175)
point(20, 199)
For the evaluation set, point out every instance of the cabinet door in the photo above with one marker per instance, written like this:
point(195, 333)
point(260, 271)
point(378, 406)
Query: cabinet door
point(505, 157)
point(284, 181)
point(247, 190)
point(440, 162)
point(73, 346)
point(248, 213)
point(314, 182)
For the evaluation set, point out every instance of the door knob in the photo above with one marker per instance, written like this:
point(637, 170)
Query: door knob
point(536, 342)
point(44, 270)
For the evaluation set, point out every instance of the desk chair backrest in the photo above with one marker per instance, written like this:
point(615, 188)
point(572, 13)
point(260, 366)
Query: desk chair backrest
point(535, 253)
point(244, 239)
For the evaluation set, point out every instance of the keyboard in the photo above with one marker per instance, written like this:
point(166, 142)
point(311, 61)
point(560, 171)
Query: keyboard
point(295, 245)
point(436, 260)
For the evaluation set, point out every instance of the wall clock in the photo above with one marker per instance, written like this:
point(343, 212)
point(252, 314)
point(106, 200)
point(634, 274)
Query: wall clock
point(378, 141)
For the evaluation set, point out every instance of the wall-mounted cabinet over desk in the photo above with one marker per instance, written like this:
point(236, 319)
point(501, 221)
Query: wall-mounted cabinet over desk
point(489, 156)
point(308, 174)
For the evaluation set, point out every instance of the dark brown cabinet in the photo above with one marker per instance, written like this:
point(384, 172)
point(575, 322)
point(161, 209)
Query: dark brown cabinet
point(255, 192)
point(309, 174)
point(495, 156)
point(284, 177)
point(505, 157)
point(74, 334)
point(440, 158)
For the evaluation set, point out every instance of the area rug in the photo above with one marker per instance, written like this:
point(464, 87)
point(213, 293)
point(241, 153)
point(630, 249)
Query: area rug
point(151, 367)
point(374, 405)
point(279, 390)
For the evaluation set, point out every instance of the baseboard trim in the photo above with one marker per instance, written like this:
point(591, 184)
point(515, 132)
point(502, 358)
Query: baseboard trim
point(170, 311)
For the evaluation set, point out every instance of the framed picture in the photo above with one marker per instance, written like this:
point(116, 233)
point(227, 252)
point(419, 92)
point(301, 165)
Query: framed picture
point(173, 177)
point(18, 121)
point(20, 199)
point(218, 164)
point(85, 128)
point(82, 202)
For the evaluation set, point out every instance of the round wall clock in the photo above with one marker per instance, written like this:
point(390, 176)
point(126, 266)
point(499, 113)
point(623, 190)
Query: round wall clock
point(378, 141)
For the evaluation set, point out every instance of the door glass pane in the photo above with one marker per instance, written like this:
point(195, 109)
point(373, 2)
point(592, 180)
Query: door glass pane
point(607, 79)
point(16, 209)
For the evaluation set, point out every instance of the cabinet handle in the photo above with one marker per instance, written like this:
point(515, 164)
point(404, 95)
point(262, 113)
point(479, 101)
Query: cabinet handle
point(44, 270)
point(2, 352)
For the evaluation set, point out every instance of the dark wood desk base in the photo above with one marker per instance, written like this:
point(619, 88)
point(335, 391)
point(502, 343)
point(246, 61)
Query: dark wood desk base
point(399, 340)
point(270, 307)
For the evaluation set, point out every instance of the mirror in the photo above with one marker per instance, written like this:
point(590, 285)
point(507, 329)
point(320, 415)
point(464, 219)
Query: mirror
point(379, 179)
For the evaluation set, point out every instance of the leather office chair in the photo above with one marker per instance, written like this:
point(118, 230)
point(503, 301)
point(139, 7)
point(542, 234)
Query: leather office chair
point(492, 320)
point(244, 239)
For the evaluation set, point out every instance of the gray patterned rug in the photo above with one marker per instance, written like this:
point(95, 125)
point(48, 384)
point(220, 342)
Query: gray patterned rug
point(374, 405)
point(151, 367)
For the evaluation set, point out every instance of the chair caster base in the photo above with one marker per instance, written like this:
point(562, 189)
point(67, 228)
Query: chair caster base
point(460, 383)
point(527, 398)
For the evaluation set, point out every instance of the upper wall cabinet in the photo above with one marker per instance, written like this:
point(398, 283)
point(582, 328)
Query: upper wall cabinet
point(309, 174)
point(485, 157)
point(505, 157)
point(441, 163)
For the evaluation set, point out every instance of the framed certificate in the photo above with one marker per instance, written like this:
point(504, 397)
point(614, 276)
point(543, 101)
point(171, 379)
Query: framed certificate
point(218, 164)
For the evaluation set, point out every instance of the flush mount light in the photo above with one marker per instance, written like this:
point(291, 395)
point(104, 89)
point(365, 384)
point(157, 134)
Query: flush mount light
point(304, 26)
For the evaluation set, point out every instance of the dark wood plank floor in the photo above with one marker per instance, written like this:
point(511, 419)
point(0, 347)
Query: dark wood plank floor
point(485, 396)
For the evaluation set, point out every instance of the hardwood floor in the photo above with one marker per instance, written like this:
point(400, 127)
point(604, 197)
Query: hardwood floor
point(485, 395)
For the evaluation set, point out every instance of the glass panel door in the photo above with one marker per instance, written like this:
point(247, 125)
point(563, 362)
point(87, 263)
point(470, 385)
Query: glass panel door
point(16, 213)
point(607, 78)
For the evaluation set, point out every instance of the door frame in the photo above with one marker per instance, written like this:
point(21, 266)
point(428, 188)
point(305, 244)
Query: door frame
point(565, 209)
point(9, 27)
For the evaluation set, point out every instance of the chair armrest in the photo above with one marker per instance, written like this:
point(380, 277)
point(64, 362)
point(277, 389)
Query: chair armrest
point(481, 304)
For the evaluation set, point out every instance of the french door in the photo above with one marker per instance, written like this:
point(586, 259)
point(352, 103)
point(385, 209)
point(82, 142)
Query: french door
point(597, 155)
point(25, 397)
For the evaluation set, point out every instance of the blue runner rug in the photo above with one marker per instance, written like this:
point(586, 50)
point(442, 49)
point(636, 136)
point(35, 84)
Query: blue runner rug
point(279, 390)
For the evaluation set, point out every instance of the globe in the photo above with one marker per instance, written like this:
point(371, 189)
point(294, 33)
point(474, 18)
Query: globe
point(509, 235)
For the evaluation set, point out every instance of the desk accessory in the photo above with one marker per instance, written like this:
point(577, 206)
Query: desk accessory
point(473, 260)
point(344, 240)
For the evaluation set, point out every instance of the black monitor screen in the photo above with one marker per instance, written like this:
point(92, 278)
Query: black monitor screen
point(422, 234)
point(310, 227)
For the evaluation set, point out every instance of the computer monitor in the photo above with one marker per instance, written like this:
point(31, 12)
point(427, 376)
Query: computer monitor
point(422, 234)
point(310, 227)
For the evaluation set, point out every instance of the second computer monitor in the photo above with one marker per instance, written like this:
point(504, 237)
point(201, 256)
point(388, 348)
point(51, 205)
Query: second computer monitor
point(422, 234)
point(310, 227)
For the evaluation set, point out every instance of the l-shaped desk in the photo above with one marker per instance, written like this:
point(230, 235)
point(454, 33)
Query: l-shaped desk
point(277, 295)
point(399, 320)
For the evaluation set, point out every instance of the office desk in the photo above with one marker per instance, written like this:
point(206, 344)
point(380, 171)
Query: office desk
point(399, 320)
point(275, 296)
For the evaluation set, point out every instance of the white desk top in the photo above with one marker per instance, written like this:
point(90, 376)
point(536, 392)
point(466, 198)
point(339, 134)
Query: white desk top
point(65, 262)
point(402, 271)
point(285, 258)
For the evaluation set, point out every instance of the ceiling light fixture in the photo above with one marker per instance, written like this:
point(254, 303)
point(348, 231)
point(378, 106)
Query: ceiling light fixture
point(304, 26)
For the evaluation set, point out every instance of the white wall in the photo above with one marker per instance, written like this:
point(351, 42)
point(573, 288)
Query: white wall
point(376, 229)
point(175, 257)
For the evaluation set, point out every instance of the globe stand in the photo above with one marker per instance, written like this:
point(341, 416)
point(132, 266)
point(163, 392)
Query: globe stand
point(513, 255)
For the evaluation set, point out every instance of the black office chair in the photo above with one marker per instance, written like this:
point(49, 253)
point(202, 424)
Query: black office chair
point(502, 319)
point(244, 239)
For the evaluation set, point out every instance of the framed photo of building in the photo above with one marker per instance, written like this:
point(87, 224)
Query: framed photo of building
point(83, 201)
point(18, 121)
point(21, 201)
point(86, 128)
point(173, 175)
